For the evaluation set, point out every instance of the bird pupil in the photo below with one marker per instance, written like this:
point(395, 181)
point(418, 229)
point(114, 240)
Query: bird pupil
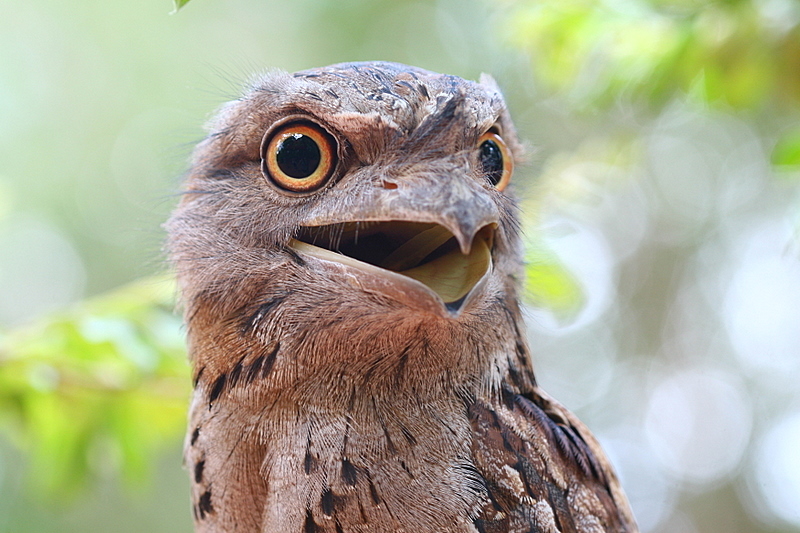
point(491, 161)
point(298, 156)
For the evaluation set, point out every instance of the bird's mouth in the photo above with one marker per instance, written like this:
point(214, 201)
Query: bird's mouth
point(413, 255)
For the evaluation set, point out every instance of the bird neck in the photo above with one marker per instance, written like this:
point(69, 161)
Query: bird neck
point(332, 412)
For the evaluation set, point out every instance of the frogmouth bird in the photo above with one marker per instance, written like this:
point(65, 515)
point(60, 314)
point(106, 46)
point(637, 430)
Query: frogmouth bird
point(348, 253)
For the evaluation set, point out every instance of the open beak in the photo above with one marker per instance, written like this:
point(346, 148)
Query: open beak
point(425, 242)
point(422, 260)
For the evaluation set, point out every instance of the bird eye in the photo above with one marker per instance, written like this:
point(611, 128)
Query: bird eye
point(495, 159)
point(299, 157)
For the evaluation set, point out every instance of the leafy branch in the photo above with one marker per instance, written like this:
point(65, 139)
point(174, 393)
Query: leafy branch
point(97, 389)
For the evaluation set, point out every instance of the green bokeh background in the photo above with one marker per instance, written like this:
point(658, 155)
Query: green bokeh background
point(661, 207)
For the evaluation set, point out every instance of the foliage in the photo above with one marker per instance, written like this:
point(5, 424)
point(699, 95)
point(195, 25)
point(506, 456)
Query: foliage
point(549, 285)
point(179, 3)
point(98, 388)
point(787, 151)
point(743, 53)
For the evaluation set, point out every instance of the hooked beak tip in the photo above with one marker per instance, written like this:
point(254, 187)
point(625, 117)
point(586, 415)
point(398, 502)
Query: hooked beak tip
point(467, 238)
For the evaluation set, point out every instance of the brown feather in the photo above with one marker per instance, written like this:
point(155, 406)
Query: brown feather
point(331, 398)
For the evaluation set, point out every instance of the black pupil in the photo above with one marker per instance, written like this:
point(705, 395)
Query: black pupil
point(491, 161)
point(298, 156)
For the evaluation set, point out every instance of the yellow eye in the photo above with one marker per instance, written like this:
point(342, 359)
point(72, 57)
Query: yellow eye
point(495, 160)
point(299, 157)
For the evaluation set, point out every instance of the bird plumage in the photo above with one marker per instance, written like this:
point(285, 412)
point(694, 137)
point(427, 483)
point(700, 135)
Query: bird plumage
point(365, 394)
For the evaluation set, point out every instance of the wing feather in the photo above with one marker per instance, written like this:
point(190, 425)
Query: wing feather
point(543, 470)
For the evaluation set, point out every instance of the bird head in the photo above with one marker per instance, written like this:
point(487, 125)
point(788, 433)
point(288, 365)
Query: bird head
point(387, 177)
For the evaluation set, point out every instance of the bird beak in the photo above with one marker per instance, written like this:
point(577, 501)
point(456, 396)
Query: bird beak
point(431, 251)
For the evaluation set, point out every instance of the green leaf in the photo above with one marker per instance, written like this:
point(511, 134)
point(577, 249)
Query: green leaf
point(599, 52)
point(549, 285)
point(179, 4)
point(787, 151)
point(98, 390)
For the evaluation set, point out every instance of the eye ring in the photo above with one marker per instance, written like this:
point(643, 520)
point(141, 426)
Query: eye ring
point(495, 159)
point(299, 157)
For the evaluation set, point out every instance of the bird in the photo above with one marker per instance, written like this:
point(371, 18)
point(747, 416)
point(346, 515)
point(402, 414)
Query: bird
point(348, 255)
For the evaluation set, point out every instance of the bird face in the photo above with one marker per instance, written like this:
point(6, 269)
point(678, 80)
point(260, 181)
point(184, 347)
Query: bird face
point(425, 236)
point(392, 179)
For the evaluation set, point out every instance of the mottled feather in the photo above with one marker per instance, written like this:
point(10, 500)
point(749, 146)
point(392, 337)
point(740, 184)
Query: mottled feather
point(333, 399)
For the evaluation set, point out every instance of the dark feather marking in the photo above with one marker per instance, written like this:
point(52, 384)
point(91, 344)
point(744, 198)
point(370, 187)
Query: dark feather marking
point(490, 490)
point(351, 402)
point(593, 461)
point(310, 526)
point(401, 363)
point(332, 503)
point(197, 377)
point(254, 368)
point(404, 83)
point(427, 133)
point(367, 376)
point(309, 463)
point(195, 434)
point(475, 481)
point(531, 477)
point(294, 256)
point(567, 439)
point(373, 491)
point(561, 439)
point(219, 133)
point(511, 440)
point(561, 511)
point(216, 390)
point(389, 443)
point(529, 374)
point(584, 456)
point(364, 519)
point(204, 504)
point(270, 360)
point(521, 351)
point(405, 467)
point(254, 319)
point(198, 471)
point(339, 527)
point(514, 376)
point(407, 434)
point(537, 414)
point(233, 378)
point(326, 502)
point(508, 396)
point(445, 424)
point(349, 473)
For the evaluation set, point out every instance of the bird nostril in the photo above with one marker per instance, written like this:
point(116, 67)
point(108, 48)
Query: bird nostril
point(390, 185)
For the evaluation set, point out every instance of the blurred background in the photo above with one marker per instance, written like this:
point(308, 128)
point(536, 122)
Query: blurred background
point(662, 213)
